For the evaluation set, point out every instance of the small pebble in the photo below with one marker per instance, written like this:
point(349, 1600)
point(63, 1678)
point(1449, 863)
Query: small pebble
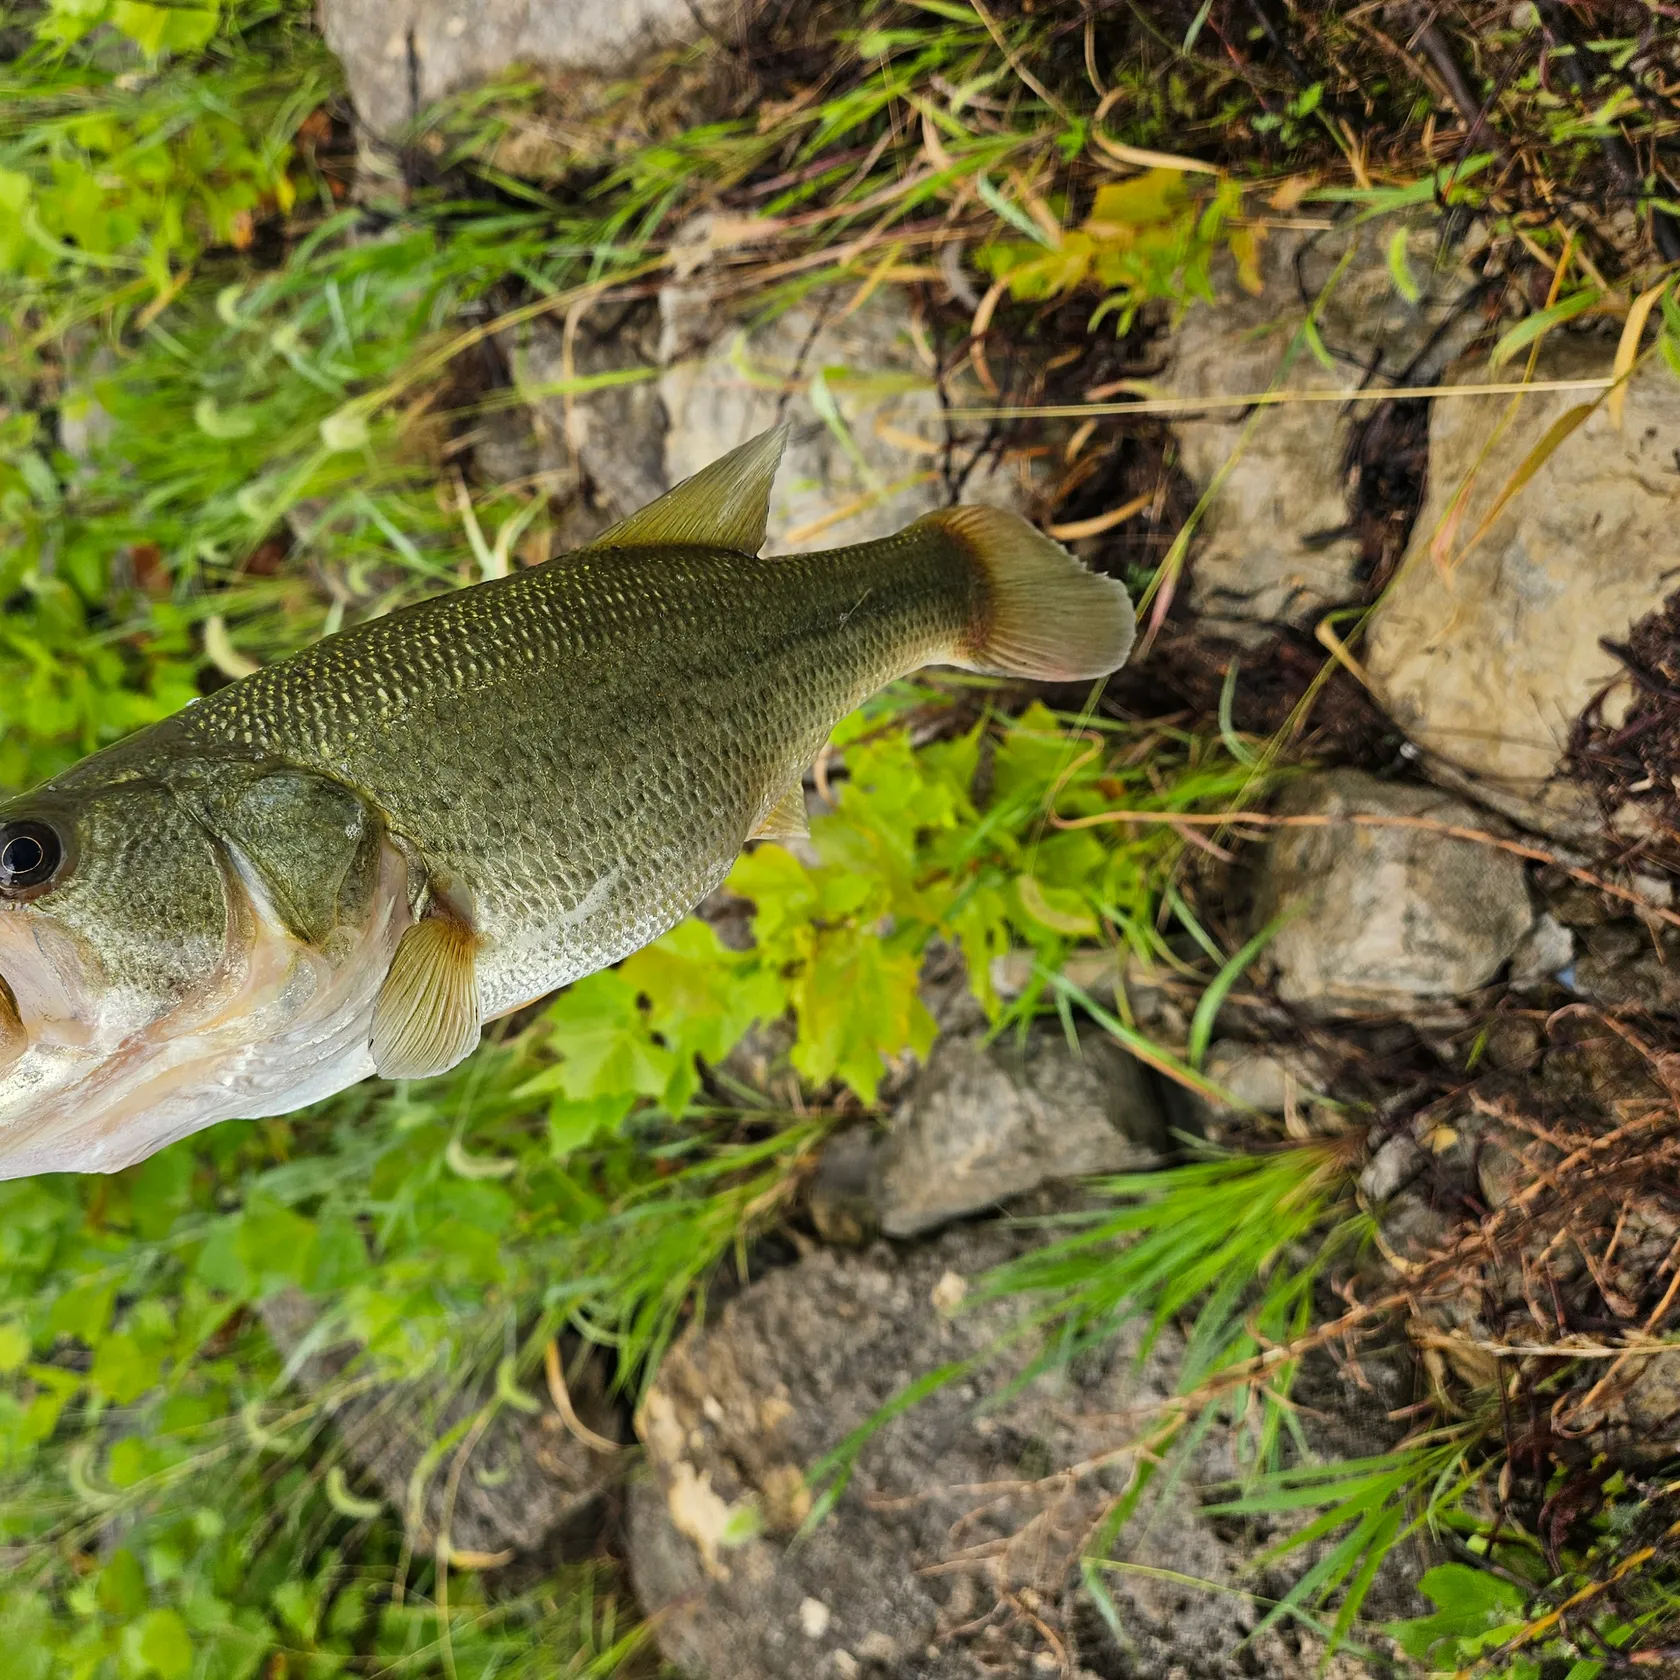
point(814, 1618)
point(948, 1292)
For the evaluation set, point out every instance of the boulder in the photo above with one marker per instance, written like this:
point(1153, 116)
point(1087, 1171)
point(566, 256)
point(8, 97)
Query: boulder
point(983, 1124)
point(1486, 654)
point(951, 1554)
point(1277, 545)
point(400, 56)
point(1385, 918)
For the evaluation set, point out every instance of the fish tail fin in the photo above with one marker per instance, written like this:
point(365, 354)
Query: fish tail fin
point(1041, 614)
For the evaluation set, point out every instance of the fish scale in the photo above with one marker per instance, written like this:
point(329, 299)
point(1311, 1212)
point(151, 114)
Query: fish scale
point(349, 860)
point(632, 712)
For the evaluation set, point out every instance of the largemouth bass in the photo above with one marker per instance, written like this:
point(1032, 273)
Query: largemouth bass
point(348, 862)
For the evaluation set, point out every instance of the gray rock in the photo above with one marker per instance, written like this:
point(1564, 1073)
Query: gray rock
point(1382, 918)
point(953, 1503)
point(1623, 967)
point(875, 465)
point(982, 1125)
point(1275, 545)
point(611, 441)
point(401, 55)
point(1392, 1168)
point(1545, 949)
point(1488, 660)
point(528, 1479)
point(1266, 1077)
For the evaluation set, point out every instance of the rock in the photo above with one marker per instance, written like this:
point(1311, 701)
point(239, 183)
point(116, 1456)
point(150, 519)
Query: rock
point(1546, 949)
point(845, 1194)
point(1266, 1077)
point(1488, 659)
point(1396, 1163)
point(1276, 544)
point(952, 1504)
point(1384, 919)
point(1624, 967)
point(528, 1480)
point(877, 464)
point(982, 1125)
point(609, 441)
point(401, 55)
point(1092, 969)
point(870, 448)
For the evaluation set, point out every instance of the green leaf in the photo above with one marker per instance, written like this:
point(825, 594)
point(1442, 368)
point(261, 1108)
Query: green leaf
point(1210, 1002)
point(83, 1312)
point(607, 1042)
point(345, 429)
point(160, 29)
point(16, 190)
point(858, 1003)
point(572, 1125)
point(223, 427)
point(1016, 217)
point(122, 1585)
point(14, 1347)
point(1470, 1604)
point(1157, 195)
point(165, 1645)
point(123, 1369)
point(276, 1245)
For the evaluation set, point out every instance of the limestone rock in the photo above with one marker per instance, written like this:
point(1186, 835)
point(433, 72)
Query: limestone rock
point(1489, 662)
point(401, 55)
point(1384, 918)
point(874, 461)
point(982, 1125)
point(608, 442)
point(1546, 950)
point(952, 1503)
point(1276, 546)
point(529, 1478)
point(870, 450)
point(1266, 1077)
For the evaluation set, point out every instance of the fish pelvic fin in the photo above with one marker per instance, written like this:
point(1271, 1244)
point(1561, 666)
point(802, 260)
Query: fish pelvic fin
point(725, 505)
point(786, 819)
point(426, 1017)
point(1041, 613)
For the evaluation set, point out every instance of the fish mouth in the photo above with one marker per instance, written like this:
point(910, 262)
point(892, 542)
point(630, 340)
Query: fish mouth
point(92, 1080)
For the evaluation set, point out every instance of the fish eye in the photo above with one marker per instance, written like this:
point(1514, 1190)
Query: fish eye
point(30, 854)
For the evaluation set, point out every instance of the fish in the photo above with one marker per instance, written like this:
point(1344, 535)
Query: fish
point(347, 862)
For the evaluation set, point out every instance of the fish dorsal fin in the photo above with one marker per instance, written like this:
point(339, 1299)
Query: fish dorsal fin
point(786, 819)
point(725, 505)
point(426, 1017)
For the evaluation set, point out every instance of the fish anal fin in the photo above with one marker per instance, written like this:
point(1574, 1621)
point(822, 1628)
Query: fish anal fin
point(786, 819)
point(426, 1017)
point(725, 505)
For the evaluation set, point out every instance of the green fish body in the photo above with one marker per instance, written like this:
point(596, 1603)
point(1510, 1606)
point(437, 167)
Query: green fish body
point(349, 861)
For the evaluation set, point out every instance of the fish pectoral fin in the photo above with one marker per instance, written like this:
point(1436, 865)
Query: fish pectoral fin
point(725, 505)
point(426, 1018)
point(787, 819)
